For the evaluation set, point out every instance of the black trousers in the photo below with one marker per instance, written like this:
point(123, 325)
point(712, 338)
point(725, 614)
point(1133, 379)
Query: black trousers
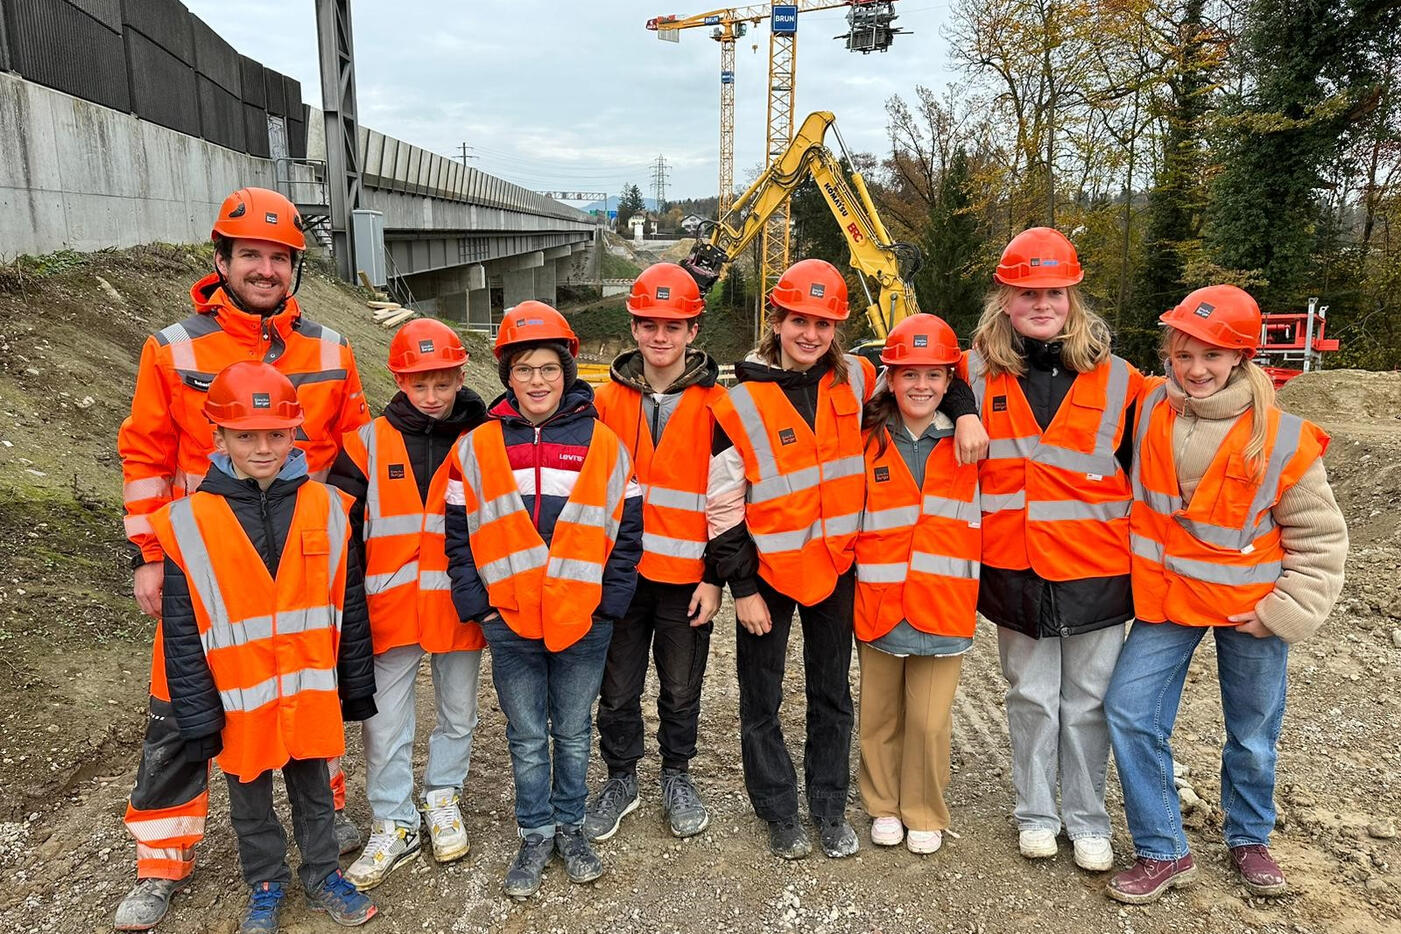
point(262, 843)
point(656, 623)
point(769, 776)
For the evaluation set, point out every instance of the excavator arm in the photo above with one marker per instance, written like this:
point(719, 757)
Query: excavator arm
point(873, 253)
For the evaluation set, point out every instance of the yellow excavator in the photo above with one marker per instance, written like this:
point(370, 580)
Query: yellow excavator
point(873, 254)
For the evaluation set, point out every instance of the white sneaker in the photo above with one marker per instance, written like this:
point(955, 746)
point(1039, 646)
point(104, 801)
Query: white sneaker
point(924, 841)
point(1094, 853)
point(887, 831)
point(390, 846)
point(445, 828)
point(1037, 843)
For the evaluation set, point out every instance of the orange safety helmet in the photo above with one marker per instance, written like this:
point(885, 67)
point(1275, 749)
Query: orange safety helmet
point(252, 395)
point(665, 290)
point(812, 287)
point(921, 340)
point(260, 214)
point(1039, 258)
point(534, 321)
point(1221, 315)
point(425, 344)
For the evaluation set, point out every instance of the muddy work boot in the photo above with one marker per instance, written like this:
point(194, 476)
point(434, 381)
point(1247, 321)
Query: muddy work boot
point(145, 905)
point(1148, 879)
point(1259, 872)
point(347, 834)
point(523, 876)
point(788, 838)
point(264, 908)
point(682, 805)
point(606, 810)
point(838, 839)
point(347, 905)
point(580, 861)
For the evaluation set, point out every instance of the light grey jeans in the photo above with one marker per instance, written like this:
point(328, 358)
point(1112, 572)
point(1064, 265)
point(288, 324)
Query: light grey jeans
point(389, 734)
point(1055, 714)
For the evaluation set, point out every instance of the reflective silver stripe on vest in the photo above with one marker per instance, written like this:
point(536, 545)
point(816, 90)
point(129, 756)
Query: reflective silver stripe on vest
point(850, 466)
point(377, 524)
point(943, 507)
point(379, 583)
point(784, 485)
point(897, 517)
point(517, 562)
point(775, 542)
point(944, 566)
point(1212, 572)
point(1147, 549)
point(996, 502)
point(434, 580)
point(616, 492)
point(330, 348)
point(758, 437)
point(493, 572)
point(434, 524)
point(261, 627)
point(673, 499)
point(977, 378)
point(856, 378)
point(1070, 510)
point(845, 524)
point(245, 700)
point(893, 573)
point(672, 547)
point(999, 448)
point(575, 569)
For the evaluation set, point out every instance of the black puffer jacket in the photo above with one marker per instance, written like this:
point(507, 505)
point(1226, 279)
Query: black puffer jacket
point(265, 517)
point(428, 440)
point(1022, 600)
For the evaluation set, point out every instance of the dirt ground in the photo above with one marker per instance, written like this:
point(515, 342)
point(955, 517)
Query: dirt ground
point(76, 653)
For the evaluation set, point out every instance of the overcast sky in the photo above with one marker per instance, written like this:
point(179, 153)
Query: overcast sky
point(577, 93)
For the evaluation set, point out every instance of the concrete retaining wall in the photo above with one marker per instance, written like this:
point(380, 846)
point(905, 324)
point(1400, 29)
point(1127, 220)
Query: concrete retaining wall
point(77, 175)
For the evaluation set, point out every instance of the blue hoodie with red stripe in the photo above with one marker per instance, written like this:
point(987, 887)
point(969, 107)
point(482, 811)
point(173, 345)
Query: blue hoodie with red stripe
point(546, 459)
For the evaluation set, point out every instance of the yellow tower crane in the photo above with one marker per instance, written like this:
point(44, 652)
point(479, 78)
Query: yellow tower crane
point(870, 30)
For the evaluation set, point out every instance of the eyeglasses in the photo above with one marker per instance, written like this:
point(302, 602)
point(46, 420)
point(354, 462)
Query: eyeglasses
point(524, 373)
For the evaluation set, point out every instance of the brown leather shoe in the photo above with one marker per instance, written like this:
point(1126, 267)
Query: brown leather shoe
point(1147, 879)
point(1258, 869)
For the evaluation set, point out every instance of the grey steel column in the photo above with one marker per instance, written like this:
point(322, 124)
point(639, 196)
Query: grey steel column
point(337, 51)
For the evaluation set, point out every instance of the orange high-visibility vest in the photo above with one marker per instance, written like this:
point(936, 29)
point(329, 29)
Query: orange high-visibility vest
point(673, 475)
point(271, 643)
point(1197, 563)
point(806, 487)
point(406, 564)
point(1056, 501)
point(917, 551)
point(542, 592)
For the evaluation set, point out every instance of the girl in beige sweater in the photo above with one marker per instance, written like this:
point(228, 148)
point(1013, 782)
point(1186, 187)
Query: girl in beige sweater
point(1234, 529)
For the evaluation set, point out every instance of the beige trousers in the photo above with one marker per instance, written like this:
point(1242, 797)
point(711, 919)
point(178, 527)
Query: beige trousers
point(906, 725)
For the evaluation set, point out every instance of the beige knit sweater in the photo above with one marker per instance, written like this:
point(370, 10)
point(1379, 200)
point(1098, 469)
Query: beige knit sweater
point(1312, 528)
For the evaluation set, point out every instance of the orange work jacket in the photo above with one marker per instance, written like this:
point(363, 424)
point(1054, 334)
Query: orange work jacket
point(542, 592)
point(166, 441)
point(1199, 562)
point(406, 565)
point(917, 551)
point(1056, 501)
point(271, 643)
point(806, 487)
point(673, 475)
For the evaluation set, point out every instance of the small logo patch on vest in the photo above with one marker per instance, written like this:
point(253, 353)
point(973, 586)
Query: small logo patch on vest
point(396, 471)
point(425, 346)
point(921, 340)
point(787, 436)
point(262, 400)
point(663, 292)
point(882, 474)
point(999, 403)
point(1204, 310)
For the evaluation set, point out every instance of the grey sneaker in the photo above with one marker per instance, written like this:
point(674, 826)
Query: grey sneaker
point(347, 834)
point(145, 905)
point(682, 805)
point(606, 810)
point(580, 861)
point(523, 877)
point(838, 839)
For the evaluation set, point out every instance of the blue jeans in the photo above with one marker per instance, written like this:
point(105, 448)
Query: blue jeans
point(548, 695)
point(1142, 703)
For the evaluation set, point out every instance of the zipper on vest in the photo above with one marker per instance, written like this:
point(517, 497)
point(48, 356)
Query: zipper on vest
point(535, 513)
point(267, 531)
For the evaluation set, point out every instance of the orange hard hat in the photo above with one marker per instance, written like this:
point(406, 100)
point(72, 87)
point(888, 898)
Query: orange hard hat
point(259, 214)
point(921, 340)
point(1039, 258)
point(665, 290)
point(534, 321)
point(253, 395)
point(1220, 315)
point(812, 287)
point(425, 344)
